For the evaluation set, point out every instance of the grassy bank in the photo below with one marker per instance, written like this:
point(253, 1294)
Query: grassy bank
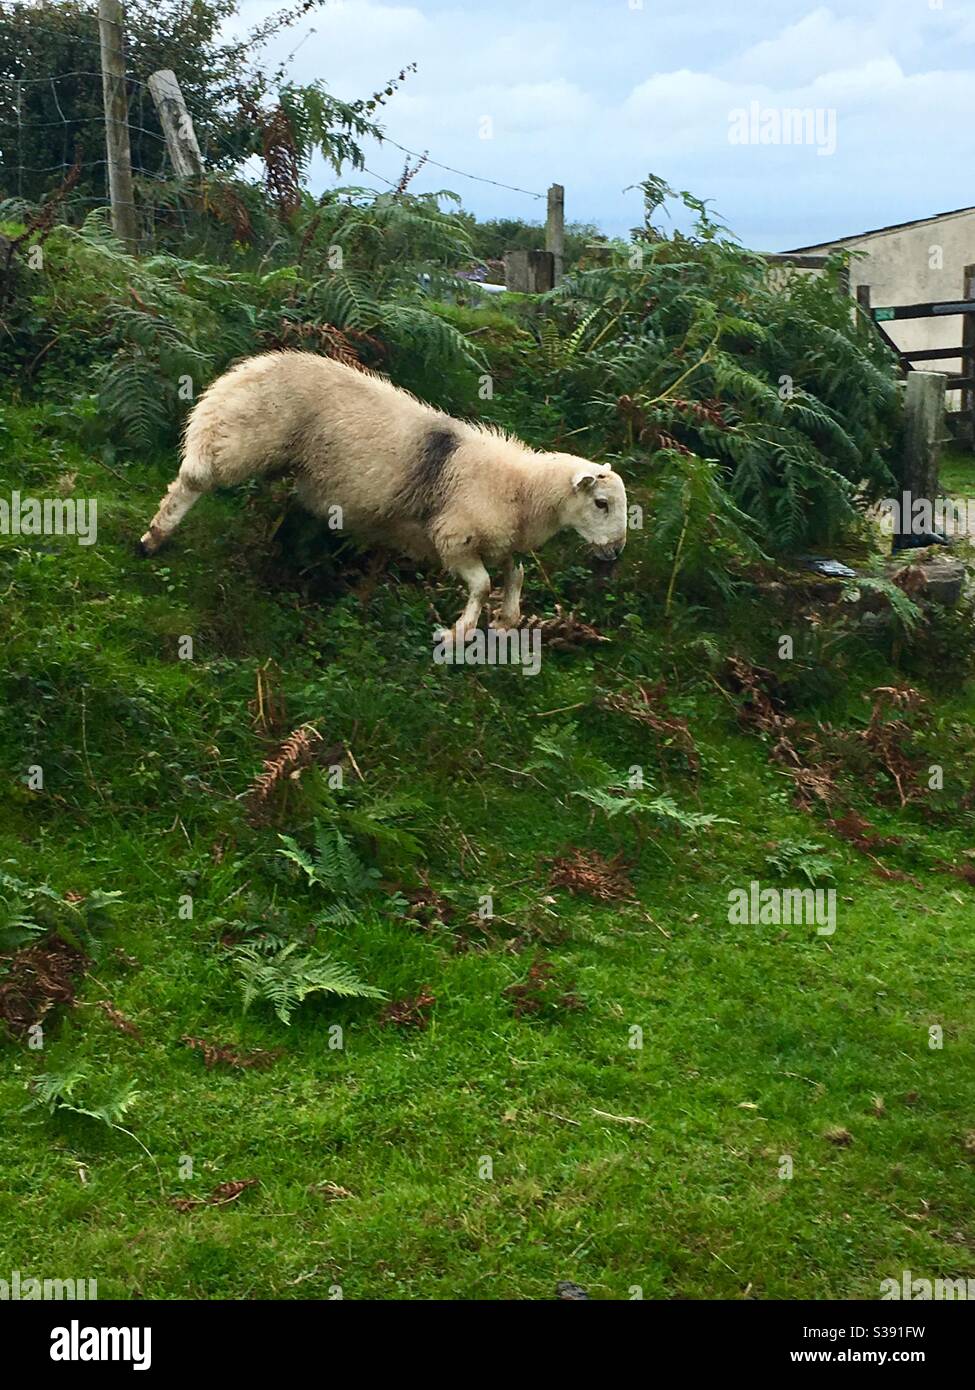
point(496, 1150)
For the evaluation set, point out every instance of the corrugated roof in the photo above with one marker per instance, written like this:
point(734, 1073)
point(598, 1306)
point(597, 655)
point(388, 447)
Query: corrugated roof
point(876, 231)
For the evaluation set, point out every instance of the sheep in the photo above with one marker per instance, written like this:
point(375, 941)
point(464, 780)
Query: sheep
point(392, 471)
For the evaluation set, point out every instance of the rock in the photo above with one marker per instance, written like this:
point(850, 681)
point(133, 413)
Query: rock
point(872, 622)
point(833, 569)
point(938, 579)
point(572, 1293)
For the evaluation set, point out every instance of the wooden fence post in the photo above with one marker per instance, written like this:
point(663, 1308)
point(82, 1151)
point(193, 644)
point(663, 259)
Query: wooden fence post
point(555, 228)
point(111, 32)
point(924, 406)
point(968, 354)
point(177, 125)
point(863, 299)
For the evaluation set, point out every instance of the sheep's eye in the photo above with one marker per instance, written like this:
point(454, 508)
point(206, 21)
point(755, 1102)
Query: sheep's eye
point(602, 504)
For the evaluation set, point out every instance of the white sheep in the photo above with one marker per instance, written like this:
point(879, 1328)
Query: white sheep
point(395, 471)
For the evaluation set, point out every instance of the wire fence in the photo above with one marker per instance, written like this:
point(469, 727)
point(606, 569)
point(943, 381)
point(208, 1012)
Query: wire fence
point(83, 138)
point(72, 102)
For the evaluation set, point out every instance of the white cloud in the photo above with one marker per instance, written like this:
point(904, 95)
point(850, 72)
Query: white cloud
point(817, 43)
point(595, 95)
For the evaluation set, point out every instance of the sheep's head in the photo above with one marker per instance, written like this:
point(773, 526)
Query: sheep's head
point(596, 509)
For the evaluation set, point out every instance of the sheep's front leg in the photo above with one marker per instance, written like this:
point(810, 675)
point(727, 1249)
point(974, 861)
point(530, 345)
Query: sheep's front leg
point(509, 614)
point(478, 582)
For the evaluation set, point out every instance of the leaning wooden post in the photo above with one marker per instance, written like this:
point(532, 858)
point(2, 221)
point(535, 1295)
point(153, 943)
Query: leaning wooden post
point(111, 32)
point(555, 227)
point(177, 125)
point(968, 353)
point(924, 406)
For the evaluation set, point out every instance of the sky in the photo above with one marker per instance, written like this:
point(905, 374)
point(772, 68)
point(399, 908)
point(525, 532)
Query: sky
point(596, 94)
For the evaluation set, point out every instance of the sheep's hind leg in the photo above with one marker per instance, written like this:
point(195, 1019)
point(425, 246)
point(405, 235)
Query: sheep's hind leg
point(478, 582)
point(509, 614)
point(180, 497)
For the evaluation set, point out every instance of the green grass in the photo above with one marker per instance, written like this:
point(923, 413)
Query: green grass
point(957, 472)
point(618, 1168)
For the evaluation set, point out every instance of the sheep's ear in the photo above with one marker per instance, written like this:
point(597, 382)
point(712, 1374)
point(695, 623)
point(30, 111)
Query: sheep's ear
point(584, 481)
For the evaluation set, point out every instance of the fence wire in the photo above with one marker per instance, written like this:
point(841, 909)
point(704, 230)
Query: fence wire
point(88, 132)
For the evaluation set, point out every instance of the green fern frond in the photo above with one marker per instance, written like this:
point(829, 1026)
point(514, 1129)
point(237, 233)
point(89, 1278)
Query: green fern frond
point(286, 979)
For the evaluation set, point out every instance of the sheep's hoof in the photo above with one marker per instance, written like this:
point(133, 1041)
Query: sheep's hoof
point(506, 622)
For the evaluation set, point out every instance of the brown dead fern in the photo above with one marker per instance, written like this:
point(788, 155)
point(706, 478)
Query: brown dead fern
point(221, 1196)
point(591, 873)
point(303, 748)
point(564, 631)
point(646, 704)
point(215, 1054)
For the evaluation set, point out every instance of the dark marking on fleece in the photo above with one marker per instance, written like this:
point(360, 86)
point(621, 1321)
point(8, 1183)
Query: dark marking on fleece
point(427, 486)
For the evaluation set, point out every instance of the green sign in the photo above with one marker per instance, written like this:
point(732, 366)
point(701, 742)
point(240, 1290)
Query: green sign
point(883, 315)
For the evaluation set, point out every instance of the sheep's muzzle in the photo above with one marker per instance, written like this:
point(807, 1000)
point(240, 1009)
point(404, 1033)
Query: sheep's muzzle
point(606, 554)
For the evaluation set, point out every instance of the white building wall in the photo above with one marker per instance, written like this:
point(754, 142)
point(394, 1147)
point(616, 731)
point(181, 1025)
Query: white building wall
point(918, 264)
